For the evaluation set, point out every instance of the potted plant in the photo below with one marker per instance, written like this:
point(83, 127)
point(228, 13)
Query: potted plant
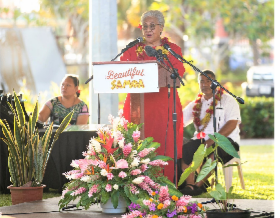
point(118, 166)
point(28, 153)
point(219, 194)
point(164, 205)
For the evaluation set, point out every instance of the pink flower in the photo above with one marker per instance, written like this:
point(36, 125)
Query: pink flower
point(183, 201)
point(147, 202)
point(108, 188)
point(121, 164)
point(200, 135)
point(64, 192)
point(122, 174)
point(158, 163)
point(78, 191)
point(110, 176)
point(136, 135)
point(144, 167)
point(135, 172)
point(127, 149)
point(124, 122)
point(134, 189)
point(102, 164)
point(166, 204)
point(111, 118)
point(163, 194)
point(145, 152)
point(93, 189)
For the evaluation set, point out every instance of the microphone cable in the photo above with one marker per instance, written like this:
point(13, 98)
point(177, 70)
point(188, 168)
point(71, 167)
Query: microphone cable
point(167, 119)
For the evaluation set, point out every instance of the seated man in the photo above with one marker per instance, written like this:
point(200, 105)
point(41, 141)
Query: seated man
point(200, 113)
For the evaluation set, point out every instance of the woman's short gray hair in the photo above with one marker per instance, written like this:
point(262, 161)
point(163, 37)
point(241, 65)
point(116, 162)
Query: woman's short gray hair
point(153, 13)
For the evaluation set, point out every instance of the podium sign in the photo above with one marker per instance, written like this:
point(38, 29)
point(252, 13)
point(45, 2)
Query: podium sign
point(125, 78)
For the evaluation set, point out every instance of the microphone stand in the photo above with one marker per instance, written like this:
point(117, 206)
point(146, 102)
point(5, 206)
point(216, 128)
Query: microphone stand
point(174, 75)
point(214, 85)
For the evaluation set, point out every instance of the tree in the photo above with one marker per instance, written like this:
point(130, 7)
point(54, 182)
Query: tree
point(243, 19)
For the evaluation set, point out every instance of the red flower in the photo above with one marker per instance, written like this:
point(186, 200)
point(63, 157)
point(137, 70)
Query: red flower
point(79, 91)
point(201, 135)
point(140, 26)
point(210, 111)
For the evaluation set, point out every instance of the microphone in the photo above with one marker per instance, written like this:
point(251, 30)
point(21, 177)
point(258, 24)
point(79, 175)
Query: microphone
point(166, 46)
point(136, 41)
point(151, 52)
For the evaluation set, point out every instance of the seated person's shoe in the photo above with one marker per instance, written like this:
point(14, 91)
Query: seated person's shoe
point(192, 190)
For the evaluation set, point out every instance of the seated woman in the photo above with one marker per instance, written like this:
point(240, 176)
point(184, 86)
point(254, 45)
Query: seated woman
point(58, 107)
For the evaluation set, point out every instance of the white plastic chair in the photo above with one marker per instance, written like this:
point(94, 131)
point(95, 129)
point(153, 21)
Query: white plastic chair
point(228, 173)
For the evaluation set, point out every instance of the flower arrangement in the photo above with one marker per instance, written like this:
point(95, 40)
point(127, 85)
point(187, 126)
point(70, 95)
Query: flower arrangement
point(117, 164)
point(164, 205)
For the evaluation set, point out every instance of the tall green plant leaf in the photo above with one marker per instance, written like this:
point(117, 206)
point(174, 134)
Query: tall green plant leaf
point(115, 198)
point(206, 169)
point(219, 193)
point(225, 144)
point(19, 110)
point(197, 160)
point(161, 157)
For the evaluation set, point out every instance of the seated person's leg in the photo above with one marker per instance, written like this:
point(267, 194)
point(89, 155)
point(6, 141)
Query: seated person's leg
point(196, 189)
point(225, 157)
point(188, 151)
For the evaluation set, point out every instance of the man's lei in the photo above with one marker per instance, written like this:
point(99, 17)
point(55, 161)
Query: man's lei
point(197, 110)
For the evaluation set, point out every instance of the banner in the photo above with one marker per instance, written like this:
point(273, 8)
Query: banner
point(125, 78)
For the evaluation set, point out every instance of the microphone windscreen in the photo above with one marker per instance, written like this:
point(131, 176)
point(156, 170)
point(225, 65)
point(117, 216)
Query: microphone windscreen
point(166, 46)
point(150, 51)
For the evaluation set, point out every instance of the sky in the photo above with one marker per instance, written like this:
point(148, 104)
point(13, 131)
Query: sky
point(27, 6)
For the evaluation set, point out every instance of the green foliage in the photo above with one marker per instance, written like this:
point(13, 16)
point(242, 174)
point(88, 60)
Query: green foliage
point(257, 117)
point(28, 154)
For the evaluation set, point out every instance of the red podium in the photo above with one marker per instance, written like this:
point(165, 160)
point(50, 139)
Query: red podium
point(137, 99)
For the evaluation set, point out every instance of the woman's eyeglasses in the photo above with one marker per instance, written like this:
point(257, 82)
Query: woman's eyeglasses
point(152, 26)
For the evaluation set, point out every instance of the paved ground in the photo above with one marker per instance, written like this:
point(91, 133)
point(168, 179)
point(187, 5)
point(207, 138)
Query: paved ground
point(48, 209)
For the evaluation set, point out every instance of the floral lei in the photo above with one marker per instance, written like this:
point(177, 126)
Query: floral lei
point(140, 48)
point(197, 110)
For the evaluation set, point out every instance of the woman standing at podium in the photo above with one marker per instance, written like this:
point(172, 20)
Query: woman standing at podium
point(157, 107)
point(58, 107)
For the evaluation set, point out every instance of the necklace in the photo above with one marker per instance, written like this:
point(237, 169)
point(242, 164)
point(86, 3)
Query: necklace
point(140, 48)
point(197, 110)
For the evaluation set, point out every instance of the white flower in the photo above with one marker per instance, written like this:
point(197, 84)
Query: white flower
point(145, 161)
point(86, 179)
point(116, 122)
point(138, 180)
point(120, 113)
point(74, 164)
point(135, 162)
point(133, 153)
point(116, 187)
point(87, 157)
point(121, 143)
point(103, 172)
point(95, 144)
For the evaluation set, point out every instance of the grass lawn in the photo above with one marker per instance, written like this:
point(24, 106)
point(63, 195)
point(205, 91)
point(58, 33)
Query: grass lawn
point(258, 174)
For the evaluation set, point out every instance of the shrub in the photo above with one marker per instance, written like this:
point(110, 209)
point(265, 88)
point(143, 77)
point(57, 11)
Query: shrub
point(257, 116)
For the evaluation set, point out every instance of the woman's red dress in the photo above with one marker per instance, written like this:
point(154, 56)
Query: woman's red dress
point(156, 109)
